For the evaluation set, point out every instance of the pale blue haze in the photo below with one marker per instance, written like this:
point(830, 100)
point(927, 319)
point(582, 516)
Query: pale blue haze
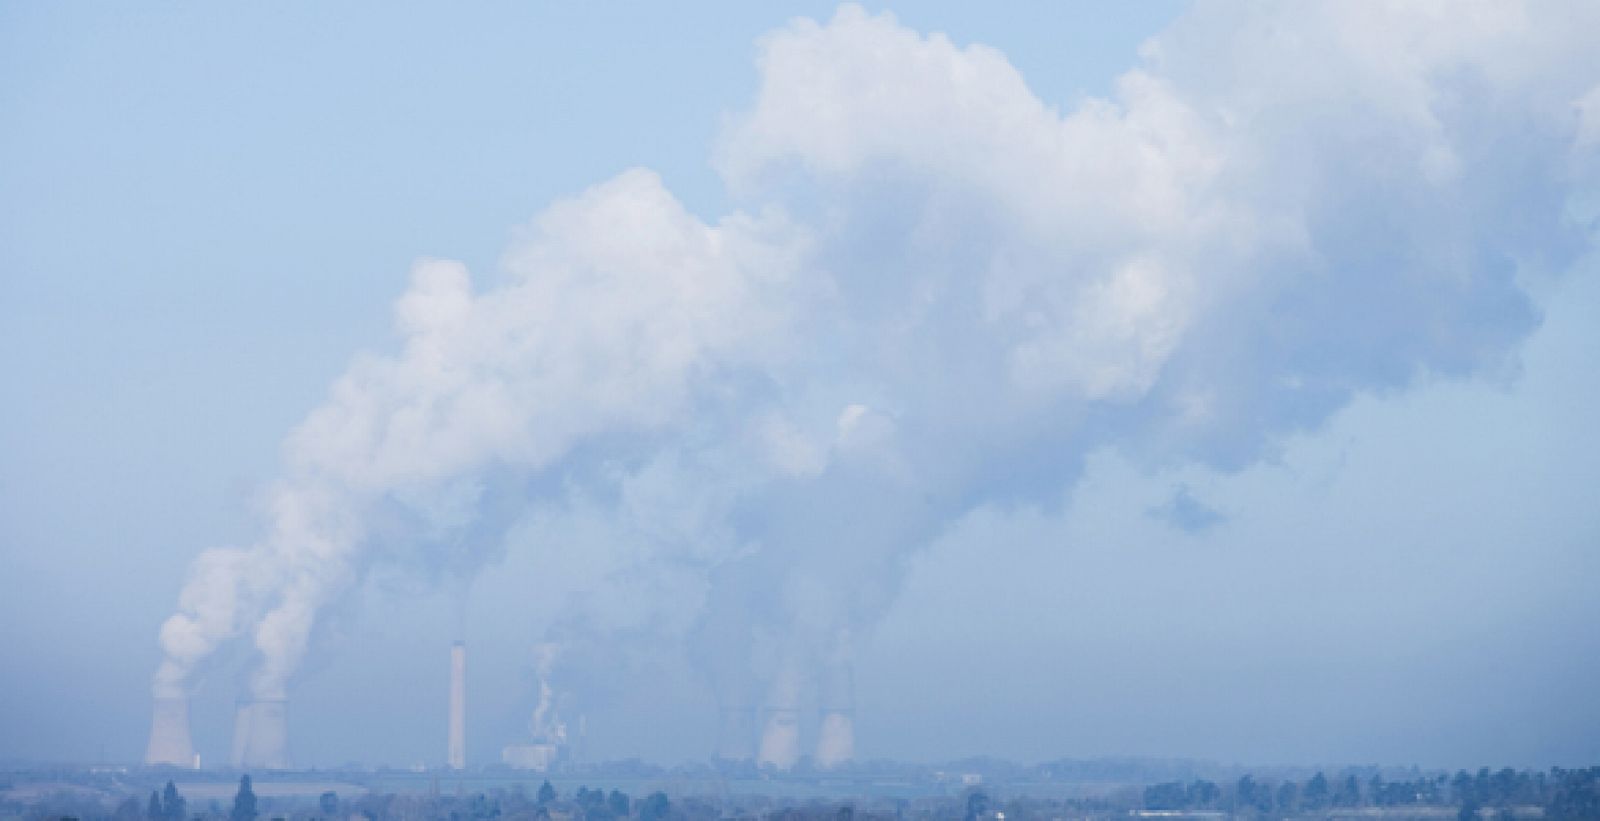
point(207, 211)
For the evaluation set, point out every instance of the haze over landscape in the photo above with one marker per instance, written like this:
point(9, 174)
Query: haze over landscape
point(1038, 381)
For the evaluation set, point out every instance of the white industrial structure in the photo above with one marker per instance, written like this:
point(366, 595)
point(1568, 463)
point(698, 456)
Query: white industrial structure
point(836, 737)
point(550, 742)
point(833, 685)
point(169, 734)
point(456, 753)
point(261, 735)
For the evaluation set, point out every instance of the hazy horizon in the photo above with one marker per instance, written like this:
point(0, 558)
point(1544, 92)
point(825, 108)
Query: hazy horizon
point(1038, 381)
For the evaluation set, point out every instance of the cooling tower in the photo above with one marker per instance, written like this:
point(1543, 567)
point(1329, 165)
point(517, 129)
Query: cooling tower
point(780, 739)
point(261, 735)
point(737, 734)
point(836, 737)
point(456, 754)
point(780, 735)
point(169, 734)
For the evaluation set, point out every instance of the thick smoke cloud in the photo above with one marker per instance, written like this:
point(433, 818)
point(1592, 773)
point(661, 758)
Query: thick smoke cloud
point(616, 310)
point(938, 292)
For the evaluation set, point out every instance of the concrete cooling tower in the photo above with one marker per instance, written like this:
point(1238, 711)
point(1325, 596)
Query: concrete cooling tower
point(780, 738)
point(780, 733)
point(836, 737)
point(834, 685)
point(169, 734)
point(261, 735)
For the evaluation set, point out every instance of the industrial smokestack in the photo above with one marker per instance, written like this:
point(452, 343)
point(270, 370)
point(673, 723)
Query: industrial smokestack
point(456, 754)
point(169, 734)
point(261, 735)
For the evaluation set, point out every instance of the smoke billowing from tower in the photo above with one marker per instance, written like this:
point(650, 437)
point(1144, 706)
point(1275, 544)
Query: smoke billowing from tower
point(169, 734)
point(457, 745)
point(1030, 309)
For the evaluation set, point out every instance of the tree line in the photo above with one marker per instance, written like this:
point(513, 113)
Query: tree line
point(1560, 793)
point(1557, 794)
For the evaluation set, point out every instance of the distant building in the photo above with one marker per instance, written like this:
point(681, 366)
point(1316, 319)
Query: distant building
point(537, 757)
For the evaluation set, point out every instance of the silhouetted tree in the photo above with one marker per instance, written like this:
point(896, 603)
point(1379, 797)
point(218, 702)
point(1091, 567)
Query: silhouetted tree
point(977, 805)
point(328, 802)
point(482, 807)
point(547, 793)
point(1169, 796)
point(1315, 796)
point(1244, 793)
point(1288, 797)
point(618, 803)
point(654, 807)
point(244, 802)
point(173, 807)
point(154, 811)
point(1349, 794)
point(1576, 794)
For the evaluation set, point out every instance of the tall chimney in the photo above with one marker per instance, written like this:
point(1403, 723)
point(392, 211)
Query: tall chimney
point(456, 753)
point(261, 735)
point(169, 734)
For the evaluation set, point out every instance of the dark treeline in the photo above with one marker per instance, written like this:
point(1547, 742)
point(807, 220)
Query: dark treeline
point(1557, 794)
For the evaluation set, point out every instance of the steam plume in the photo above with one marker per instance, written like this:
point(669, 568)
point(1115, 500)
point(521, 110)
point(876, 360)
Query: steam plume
point(939, 292)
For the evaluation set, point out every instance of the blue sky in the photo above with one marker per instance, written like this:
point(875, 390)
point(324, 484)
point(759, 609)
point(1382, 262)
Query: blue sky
point(1375, 545)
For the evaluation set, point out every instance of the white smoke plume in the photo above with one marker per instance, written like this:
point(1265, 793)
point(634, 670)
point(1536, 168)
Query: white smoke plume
point(545, 724)
point(614, 312)
point(940, 292)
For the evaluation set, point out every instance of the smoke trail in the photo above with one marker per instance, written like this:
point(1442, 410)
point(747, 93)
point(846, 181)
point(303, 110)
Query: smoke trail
point(1222, 255)
point(616, 310)
point(941, 292)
